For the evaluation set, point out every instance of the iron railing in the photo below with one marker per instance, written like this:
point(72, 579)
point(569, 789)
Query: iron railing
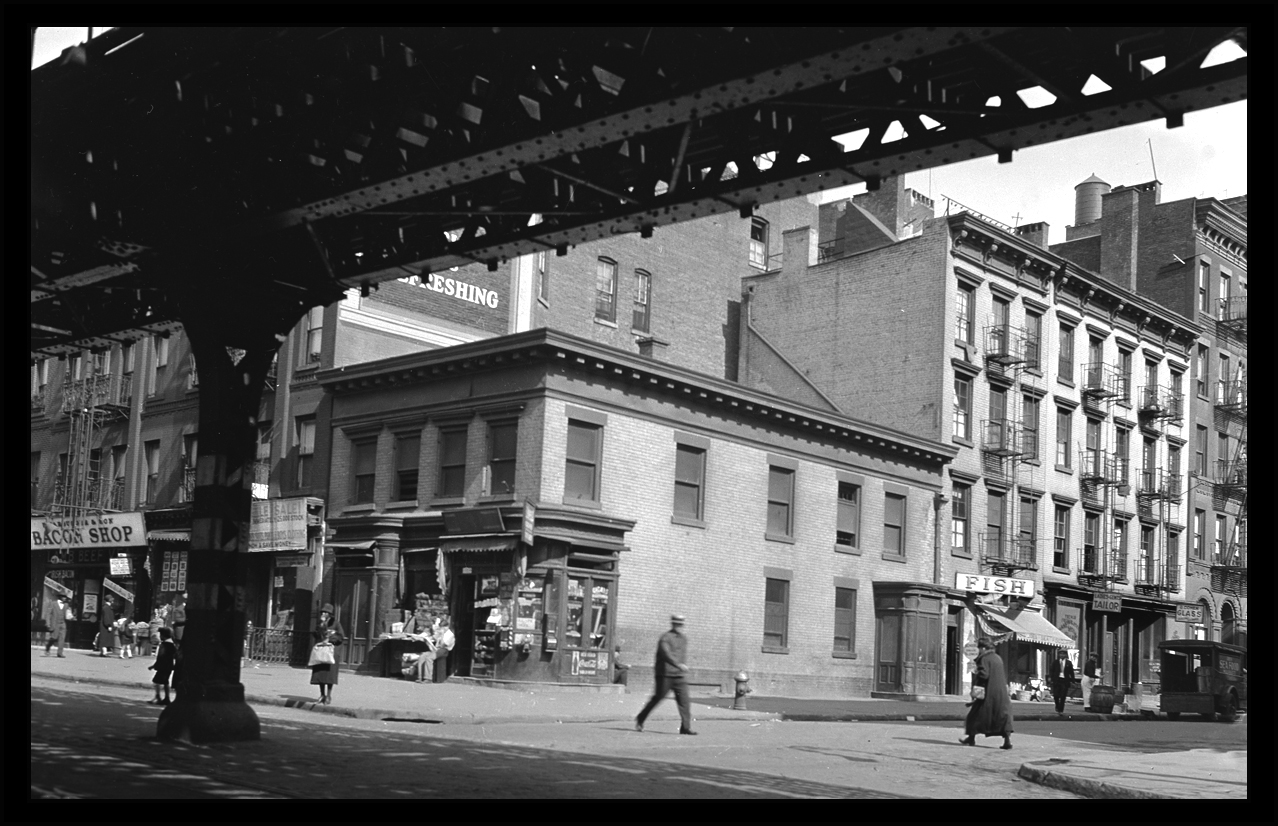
point(268, 645)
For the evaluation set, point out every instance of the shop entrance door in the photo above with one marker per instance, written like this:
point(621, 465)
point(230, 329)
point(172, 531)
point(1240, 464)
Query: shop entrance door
point(953, 655)
point(924, 670)
point(463, 620)
point(353, 595)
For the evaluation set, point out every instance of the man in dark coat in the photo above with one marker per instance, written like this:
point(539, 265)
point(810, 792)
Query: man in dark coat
point(992, 715)
point(55, 617)
point(106, 626)
point(670, 669)
point(1062, 677)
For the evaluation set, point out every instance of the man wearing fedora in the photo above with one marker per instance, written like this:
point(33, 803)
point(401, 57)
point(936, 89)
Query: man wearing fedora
point(670, 669)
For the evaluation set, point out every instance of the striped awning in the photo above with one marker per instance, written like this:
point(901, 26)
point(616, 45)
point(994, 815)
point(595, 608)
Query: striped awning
point(169, 535)
point(489, 542)
point(1023, 625)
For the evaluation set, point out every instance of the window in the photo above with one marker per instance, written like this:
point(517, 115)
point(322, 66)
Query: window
point(606, 290)
point(310, 354)
point(758, 243)
point(1063, 426)
point(1200, 365)
point(161, 351)
point(1060, 538)
point(160, 348)
point(1204, 275)
point(1200, 450)
point(43, 372)
point(408, 449)
point(690, 470)
point(100, 363)
point(1119, 547)
point(995, 513)
point(118, 454)
point(894, 524)
point(151, 450)
point(1029, 429)
point(962, 407)
point(1173, 547)
point(35, 478)
point(776, 614)
point(780, 502)
point(1222, 383)
point(1173, 461)
point(581, 474)
point(1033, 339)
point(1065, 363)
point(542, 275)
point(964, 310)
point(305, 450)
point(1125, 376)
point(452, 463)
point(1144, 554)
point(1224, 294)
point(1222, 447)
point(848, 530)
point(127, 357)
point(1200, 534)
point(1122, 452)
point(960, 536)
point(1091, 535)
point(844, 619)
point(1095, 367)
point(1177, 393)
point(502, 440)
point(1028, 530)
point(1002, 320)
point(643, 292)
point(190, 455)
point(1220, 538)
point(192, 376)
point(77, 367)
point(364, 464)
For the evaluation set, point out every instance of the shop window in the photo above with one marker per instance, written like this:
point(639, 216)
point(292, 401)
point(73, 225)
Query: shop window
point(643, 295)
point(776, 615)
point(305, 450)
point(502, 442)
point(780, 503)
point(587, 628)
point(606, 290)
point(690, 469)
point(452, 463)
point(844, 620)
point(581, 472)
point(407, 453)
point(894, 524)
point(848, 531)
point(364, 464)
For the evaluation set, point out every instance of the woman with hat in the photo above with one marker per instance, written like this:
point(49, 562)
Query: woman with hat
point(327, 630)
point(991, 708)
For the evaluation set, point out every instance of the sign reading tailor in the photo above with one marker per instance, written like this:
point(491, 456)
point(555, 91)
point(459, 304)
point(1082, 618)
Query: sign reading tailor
point(107, 530)
point(457, 289)
point(1189, 613)
point(1001, 585)
point(1105, 602)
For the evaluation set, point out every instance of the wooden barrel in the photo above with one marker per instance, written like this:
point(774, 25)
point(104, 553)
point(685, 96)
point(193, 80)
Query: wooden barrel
point(1103, 699)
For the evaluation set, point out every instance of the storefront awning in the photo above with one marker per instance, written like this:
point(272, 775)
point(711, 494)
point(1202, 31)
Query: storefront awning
point(169, 535)
point(351, 546)
point(1024, 625)
point(584, 543)
point(488, 542)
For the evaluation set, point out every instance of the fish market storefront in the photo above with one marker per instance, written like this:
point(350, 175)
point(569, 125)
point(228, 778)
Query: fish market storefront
point(88, 560)
point(1006, 611)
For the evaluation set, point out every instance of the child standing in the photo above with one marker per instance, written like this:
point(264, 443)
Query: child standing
point(165, 659)
point(124, 633)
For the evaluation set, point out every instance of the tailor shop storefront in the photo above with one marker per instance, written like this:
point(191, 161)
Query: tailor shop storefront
point(1004, 609)
point(90, 559)
point(530, 591)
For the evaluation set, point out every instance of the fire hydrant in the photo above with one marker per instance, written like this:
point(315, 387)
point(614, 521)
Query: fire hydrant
point(743, 688)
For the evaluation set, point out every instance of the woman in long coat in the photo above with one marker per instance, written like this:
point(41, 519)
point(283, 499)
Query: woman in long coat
point(327, 629)
point(991, 716)
point(106, 627)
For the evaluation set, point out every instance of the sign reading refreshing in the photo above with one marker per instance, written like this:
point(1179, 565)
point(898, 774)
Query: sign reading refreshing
point(107, 530)
point(1001, 585)
point(278, 525)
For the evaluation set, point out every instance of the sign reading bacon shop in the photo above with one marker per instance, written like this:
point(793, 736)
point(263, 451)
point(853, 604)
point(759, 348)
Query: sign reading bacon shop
point(107, 530)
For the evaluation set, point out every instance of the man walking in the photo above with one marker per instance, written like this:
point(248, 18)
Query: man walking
point(55, 617)
point(669, 671)
point(1062, 678)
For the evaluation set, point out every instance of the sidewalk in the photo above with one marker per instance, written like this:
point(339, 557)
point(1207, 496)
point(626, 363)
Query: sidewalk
point(1098, 773)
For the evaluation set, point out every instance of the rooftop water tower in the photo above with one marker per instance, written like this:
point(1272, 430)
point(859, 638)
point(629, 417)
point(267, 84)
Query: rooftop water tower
point(1087, 200)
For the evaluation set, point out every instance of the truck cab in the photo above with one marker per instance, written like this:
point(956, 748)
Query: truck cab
point(1203, 677)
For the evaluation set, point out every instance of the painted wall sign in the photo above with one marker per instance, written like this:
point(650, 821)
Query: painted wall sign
point(108, 530)
point(1001, 585)
point(1105, 602)
point(456, 288)
point(1189, 613)
point(278, 525)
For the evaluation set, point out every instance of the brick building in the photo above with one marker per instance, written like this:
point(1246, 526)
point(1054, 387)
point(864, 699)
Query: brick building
point(519, 479)
point(1061, 390)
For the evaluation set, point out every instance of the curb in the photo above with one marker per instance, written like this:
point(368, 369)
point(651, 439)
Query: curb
point(1088, 788)
point(945, 717)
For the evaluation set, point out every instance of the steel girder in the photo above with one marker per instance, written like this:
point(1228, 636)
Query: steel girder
point(367, 152)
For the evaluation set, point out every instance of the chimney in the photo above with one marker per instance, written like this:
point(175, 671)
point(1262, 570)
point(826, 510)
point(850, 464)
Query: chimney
point(888, 203)
point(1034, 233)
point(1120, 226)
point(652, 348)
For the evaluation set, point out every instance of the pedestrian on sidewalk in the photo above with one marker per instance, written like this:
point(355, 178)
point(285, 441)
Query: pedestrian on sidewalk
point(165, 662)
point(176, 619)
point(106, 641)
point(327, 630)
point(124, 633)
point(1062, 679)
point(990, 714)
point(438, 643)
point(1090, 675)
point(55, 616)
point(669, 671)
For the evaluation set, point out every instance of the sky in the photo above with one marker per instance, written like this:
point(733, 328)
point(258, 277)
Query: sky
point(1207, 157)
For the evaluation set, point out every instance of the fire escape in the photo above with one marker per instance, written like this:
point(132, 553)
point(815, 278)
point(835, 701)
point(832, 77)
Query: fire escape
point(1229, 565)
point(1158, 493)
point(90, 404)
point(1009, 449)
point(1103, 478)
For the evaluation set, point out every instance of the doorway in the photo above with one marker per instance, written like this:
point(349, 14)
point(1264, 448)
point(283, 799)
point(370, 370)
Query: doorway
point(353, 595)
point(953, 653)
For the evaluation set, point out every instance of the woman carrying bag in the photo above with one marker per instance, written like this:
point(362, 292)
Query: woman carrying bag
point(328, 635)
point(991, 707)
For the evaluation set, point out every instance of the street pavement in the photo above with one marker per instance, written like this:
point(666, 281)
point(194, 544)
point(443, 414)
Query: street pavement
point(1080, 769)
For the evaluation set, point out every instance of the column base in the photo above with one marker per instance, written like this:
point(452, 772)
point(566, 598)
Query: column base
point(215, 714)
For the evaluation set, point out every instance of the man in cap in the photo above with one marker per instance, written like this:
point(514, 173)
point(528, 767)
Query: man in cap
point(56, 618)
point(669, 671)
